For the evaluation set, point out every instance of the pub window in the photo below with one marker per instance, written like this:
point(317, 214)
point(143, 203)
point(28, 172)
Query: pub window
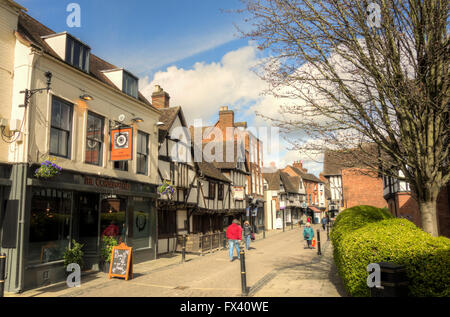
point(142, 153)
point(212, 190)
point(61, 128)
point(121, 166)
point(49, 225)
point(94, 139)
point(220, 190)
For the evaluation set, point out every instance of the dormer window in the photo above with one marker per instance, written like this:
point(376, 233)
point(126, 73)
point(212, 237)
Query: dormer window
point(124, 81)
point(70, 49)
point(77, 54)
point(130, 85)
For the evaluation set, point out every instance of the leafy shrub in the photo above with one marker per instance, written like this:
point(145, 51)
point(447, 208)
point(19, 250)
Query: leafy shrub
point(355, 218)
point(107, 245)
point(74, 254)
point(426, 258)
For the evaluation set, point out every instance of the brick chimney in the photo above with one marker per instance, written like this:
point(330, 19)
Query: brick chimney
point(299, 165)
point(160, 98)
point(226, 117)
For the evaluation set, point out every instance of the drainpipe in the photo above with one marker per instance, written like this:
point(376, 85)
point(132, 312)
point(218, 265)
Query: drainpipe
point(24, 160)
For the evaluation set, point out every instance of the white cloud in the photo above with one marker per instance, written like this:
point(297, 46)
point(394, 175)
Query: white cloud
point(205, 88)
point(202, 90)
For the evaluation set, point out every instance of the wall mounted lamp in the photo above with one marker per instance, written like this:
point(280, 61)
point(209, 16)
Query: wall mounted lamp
point(86, 97)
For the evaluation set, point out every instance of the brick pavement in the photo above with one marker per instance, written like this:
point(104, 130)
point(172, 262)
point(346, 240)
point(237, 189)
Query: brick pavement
point(277, 266)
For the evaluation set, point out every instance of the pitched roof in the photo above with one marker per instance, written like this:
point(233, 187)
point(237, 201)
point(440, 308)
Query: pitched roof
point(32, 31)
point(168, 116)
point(273, 180)
point(335, 161)
point(209, 170)
point(305, 176)
point(289, 183)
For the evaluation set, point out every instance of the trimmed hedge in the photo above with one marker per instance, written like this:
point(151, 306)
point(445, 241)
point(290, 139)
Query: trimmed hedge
point(355, 218)
point(358, 243)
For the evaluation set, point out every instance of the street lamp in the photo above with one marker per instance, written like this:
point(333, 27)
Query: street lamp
point(30, 92)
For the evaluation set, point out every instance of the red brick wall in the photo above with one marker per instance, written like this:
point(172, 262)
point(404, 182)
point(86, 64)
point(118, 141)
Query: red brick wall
point(405, 205)
point(443, 211)
point(361, 189)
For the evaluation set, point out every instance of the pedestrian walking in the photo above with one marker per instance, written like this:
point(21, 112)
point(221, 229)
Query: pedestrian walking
point(308, 235)
point(248, 234)
point(324, 222)
point(234, 234)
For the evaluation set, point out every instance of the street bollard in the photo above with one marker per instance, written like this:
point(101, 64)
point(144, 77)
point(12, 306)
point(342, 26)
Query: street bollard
point(292, 223)
point(2, 273)
point(328, 232)
point(183, 250)
point(318, 243)
point(264, 232)
point(225, 240)
point(243, 273)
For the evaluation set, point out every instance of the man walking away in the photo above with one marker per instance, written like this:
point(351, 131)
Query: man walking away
point(324, 222)
point(248, 231)
point(234, 234)
point(308, 235)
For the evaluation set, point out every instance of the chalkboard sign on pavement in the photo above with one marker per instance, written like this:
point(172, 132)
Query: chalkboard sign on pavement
point(121, 262)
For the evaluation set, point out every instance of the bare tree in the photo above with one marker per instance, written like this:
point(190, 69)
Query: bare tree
point(359, 73)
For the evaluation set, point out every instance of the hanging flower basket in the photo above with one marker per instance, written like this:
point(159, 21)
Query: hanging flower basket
point(47, 170)
point(166, 189)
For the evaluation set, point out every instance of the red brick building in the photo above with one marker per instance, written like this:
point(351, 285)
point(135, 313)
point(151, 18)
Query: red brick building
point(351, 186)
point(315, 196)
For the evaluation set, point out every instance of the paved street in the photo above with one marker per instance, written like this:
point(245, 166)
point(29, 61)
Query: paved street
point(277, 266)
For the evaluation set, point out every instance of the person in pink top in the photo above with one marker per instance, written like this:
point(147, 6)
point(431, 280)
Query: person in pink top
point(234, 236)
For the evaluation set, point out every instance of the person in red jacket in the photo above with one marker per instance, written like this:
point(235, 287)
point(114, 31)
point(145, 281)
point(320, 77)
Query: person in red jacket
point(234, 235)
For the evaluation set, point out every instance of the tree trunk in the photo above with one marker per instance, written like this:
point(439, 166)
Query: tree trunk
point(428, 214)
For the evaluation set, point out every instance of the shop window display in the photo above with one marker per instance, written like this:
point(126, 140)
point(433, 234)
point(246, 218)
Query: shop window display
point(49, 225)
point(141, 223)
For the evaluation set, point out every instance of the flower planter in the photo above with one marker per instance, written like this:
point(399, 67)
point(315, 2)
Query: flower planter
point(47, 170)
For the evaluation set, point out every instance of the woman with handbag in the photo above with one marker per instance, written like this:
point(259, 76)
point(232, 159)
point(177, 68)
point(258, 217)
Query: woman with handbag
point(308, 235)
point(248, 234)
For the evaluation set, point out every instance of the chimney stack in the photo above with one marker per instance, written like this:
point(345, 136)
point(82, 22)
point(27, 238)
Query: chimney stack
point(160, 98)
point(299, 165)
point(226, 117)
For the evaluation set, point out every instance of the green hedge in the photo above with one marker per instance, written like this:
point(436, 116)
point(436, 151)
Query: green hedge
point(355, 218)
point(427, 259)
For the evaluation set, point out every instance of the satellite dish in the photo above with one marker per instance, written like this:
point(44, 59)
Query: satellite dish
point(122, 118)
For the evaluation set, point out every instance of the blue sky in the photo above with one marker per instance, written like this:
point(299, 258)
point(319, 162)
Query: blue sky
point(189, 47)
point(150, 34)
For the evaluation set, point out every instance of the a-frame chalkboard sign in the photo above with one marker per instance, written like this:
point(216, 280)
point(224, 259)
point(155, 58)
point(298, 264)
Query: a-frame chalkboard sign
point(121, 262)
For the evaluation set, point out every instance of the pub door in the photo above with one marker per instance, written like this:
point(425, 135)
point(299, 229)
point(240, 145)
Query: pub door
point(85, 229)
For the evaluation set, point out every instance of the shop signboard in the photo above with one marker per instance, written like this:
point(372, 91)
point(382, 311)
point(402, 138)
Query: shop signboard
point(121, 262)
point(238, 192)
point(278, 223)
point(121, 144)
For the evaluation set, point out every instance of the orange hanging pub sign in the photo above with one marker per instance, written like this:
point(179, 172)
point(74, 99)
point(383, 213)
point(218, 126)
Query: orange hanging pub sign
point(121, 144)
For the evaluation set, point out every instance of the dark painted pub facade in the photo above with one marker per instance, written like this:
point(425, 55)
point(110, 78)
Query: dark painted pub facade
point(39, 219)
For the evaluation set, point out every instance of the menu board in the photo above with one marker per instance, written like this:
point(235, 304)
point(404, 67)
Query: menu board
point(121, 262)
